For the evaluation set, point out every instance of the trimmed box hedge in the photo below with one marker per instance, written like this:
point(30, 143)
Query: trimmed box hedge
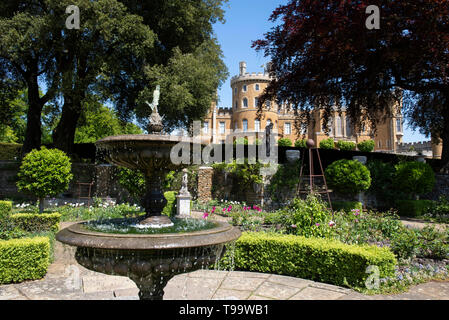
point(170, 208)
point(413, 208)
point(316, 259)
point(5, 209)
point(24, 259)
point(346, 206)
point(36, 222)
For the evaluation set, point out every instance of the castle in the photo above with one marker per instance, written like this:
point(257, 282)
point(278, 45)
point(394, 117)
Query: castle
point(244, 119)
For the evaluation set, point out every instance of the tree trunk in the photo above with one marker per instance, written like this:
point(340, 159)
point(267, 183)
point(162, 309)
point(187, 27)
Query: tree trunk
point(445, 152)
point(33, 130)
point(64, 133)
point(41, 205)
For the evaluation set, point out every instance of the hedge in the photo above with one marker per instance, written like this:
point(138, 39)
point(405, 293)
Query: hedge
point(10, 151)
point(24, 259)
point(346, 206)
point(316, 259)
point(36, 222)
point(413, 208)
point(5, 209)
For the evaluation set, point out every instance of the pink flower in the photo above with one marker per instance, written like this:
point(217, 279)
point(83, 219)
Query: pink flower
point(230, 208)
point(331, 223)
point(317, 224)
point(213, 209)
point(356, 212)
point(205, 215)
point(294, 226)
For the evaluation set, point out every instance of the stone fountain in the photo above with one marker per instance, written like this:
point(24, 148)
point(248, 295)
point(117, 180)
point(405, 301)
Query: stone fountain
point(150, 260)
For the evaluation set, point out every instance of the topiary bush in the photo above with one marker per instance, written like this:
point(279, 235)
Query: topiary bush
point(382, 174)
point(300, 143)
point(366, 146)
point(322, 260)
point(346, 145)
point(414, 178)
point(30, 222)
point(24, 259)
point(285, 142)
point(44, 173)
point(348, 176)
point(327, 144)
point(241, 140)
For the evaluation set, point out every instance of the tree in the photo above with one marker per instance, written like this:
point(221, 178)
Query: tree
point(98, 122)
point(324, 55)
point(44, 173)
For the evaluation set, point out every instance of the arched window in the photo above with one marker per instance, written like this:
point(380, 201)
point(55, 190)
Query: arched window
point(245, 125)
point(338, 126)
point(245, 103)
point(257, 87)
point(245, 88)
point(268, 104)
point(236, 104)
point(256, 102)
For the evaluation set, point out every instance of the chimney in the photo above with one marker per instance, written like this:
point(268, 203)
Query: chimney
point(242, 68)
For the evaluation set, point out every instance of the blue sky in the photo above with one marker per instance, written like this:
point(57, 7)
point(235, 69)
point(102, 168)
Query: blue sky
point(246, 21)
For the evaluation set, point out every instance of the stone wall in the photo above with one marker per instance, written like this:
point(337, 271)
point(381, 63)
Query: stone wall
point(441, 188)
point(205, 181)
point(103, 177)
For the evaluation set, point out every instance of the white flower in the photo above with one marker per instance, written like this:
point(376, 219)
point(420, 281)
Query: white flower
point(331, 223)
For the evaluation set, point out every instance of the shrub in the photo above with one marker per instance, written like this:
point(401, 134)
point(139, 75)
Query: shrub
point(36, 222)
point(327, 144)
point(170, 207)
point(432, 243)
point(440, 209)
point(405, 244)
point(241, 140)
point(285, 142)
point(413, 208)
point(348, 176)
point(366, 146)
point(44, 173)
point(346, 206)
point(5, 209)
point(309, 217)
point(382, 174)
point(346, 145)
point(9, 151)
point(414, 178)
point(133, 181)
point(301, 143)
point(315, 259)
point(24, 259)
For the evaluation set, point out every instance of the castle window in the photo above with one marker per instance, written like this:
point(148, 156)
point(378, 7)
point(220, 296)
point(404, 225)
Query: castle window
point(268, 104)
point(338, 126)
point(245, 103)
point(235, 90)
point(399, 125)
point(222, 127)
point(380, 144)
point(206, 127)
point(257, 87)
point(245, 88)
point(348, 127)
point(268, 123)
point(287, 128)
point(245, 125)
point(257, 125)
point(256, 102)
point(236, 104)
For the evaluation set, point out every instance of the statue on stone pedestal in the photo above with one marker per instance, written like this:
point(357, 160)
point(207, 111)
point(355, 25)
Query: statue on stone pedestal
point(184, 188)
point(155, 123)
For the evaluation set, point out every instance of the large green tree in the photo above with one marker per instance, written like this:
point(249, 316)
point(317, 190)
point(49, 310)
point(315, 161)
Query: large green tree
point(323, 54)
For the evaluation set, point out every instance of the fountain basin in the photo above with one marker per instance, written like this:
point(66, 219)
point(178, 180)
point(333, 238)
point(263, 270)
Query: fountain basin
point(149, 260)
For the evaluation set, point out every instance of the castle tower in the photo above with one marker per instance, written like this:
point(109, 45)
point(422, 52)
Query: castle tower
point(246, 89)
